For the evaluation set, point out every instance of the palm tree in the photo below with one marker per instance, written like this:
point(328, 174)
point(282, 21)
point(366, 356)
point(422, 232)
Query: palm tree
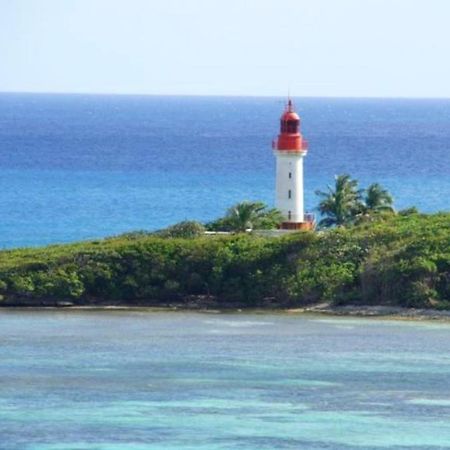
point(377, 199)
point(245, 215)
point(342, 203)
point(269, 219)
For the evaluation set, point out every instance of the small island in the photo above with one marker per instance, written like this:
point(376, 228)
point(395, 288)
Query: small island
point(385, 260)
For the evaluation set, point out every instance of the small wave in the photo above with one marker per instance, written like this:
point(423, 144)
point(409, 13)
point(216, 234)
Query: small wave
point(430, 401)
point(238, 323)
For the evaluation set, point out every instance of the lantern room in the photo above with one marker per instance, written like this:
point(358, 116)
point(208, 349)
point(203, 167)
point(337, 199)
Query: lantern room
point(290, 138)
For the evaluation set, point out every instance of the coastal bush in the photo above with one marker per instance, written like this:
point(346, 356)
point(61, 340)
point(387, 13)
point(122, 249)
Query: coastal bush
point(59, 283)
point(398, 260)
point(187, 229)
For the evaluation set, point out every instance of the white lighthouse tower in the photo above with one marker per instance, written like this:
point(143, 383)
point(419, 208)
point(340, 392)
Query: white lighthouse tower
point(289, 149)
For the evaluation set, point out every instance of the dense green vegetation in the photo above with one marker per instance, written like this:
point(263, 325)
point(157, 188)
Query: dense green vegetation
point(401, 259)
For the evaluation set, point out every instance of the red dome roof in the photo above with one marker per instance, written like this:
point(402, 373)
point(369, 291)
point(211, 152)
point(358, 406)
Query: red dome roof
point(289, 115)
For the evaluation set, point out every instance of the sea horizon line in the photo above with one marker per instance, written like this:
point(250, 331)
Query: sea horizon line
point(268, 96)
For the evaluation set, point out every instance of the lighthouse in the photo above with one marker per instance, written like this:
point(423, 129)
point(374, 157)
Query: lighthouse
point(289, 149)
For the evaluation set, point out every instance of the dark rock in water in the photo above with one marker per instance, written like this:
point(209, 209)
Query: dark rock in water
point(62, 303)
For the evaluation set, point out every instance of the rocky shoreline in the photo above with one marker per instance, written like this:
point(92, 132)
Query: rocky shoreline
point(394, 312)
point(326, 309)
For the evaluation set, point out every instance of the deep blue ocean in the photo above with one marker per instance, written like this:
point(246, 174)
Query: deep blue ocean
point(85, 166)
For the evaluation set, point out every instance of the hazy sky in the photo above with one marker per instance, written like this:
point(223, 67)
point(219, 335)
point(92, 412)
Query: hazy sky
point(240, 47)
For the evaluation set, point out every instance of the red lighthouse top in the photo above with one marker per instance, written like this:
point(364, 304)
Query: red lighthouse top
point(290, 138)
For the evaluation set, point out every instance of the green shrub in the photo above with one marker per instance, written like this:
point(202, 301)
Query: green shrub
point(187, 229)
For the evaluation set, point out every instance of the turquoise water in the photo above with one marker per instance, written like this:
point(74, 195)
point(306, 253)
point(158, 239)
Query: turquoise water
point(150, 380)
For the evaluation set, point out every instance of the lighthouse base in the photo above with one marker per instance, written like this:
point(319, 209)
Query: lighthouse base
point(297, 226)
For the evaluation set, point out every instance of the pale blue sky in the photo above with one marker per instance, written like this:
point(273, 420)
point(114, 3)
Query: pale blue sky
point(398, 48)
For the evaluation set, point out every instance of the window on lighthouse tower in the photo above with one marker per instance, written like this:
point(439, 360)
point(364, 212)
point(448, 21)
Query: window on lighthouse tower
point(289, 193)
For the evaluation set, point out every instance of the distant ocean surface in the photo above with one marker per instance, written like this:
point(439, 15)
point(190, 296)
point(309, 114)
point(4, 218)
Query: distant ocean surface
point(84, 166)
point(181, 381)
